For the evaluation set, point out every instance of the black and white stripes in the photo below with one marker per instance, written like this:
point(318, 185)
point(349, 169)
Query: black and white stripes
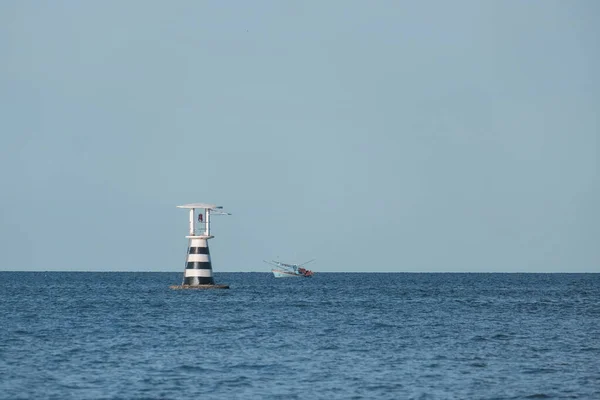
point(198, 270)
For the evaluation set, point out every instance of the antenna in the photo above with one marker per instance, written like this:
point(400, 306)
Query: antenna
point(219, 213)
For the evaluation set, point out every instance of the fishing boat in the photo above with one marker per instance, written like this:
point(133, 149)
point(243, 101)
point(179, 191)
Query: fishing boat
point(283, 270)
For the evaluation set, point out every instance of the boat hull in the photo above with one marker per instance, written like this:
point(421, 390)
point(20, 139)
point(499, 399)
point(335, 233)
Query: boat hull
point(277, 273)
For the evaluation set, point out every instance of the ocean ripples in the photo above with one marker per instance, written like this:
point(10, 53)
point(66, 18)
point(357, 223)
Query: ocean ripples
point(347, 336)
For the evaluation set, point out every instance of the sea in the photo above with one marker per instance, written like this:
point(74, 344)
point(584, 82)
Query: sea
point(127, 335)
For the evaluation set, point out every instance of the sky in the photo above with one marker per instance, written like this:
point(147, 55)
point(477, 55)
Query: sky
point(372, 136)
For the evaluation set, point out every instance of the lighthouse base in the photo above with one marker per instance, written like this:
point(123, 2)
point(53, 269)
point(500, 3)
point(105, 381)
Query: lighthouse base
point(177, 287)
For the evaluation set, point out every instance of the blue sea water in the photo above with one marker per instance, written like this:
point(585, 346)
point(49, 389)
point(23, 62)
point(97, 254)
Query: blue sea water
point(334, 336)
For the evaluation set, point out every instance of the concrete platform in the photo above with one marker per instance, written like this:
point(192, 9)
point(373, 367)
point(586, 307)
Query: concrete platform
point(177, 287)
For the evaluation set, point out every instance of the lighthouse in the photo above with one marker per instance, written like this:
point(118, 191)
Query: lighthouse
point(198, 273)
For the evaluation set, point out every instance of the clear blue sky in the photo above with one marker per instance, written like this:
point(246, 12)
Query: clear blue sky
point(370, 135)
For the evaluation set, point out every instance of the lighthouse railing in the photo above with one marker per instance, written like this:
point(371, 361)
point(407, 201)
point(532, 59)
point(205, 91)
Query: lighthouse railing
point(200, 231)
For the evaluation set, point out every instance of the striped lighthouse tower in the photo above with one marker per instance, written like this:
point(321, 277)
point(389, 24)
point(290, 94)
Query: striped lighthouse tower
point(198, 272)
point(198, 269)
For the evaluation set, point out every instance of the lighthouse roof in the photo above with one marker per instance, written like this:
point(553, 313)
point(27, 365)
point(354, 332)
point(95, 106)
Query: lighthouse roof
point(198, 205)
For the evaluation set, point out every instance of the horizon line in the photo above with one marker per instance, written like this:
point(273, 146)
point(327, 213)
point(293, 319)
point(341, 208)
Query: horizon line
point(322, 272)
